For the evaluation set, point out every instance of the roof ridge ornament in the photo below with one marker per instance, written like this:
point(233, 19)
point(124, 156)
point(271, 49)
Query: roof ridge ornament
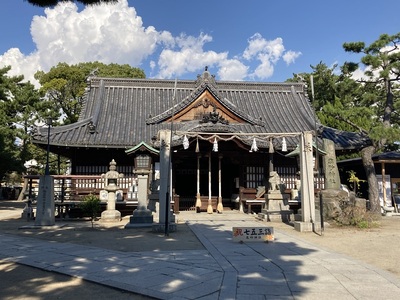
point(206, 78)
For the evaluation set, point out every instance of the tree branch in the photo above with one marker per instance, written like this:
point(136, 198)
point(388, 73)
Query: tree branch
point(360, 129)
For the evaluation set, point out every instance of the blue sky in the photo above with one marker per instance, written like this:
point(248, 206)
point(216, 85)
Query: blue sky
point(258, 40)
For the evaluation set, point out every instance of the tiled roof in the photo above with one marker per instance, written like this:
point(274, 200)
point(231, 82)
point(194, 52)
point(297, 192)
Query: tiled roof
point(121, 113)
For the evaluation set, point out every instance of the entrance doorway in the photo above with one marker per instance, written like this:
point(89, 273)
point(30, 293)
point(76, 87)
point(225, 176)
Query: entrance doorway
point(185, 178)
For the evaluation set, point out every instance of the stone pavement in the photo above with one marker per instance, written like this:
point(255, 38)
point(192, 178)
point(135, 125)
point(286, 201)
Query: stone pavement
point(288, 268)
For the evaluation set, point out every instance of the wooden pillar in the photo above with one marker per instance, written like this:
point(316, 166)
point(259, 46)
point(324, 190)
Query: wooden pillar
point(220, 206)
point(198, 200)
point(209, 207)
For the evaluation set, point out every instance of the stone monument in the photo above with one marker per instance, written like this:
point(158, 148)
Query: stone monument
point(45, 207)
point(111, 181)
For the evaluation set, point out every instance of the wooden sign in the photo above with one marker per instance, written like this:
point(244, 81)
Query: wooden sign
point(253, 234)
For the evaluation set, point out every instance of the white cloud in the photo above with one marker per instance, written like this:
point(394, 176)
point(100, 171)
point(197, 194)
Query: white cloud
point(189, 56)
point(21, 64)
point(268, 52)
point(290, 56)
point(108, 33)
point(232, 69)
point(258, 46)
point(115, 33)
point(265, 69)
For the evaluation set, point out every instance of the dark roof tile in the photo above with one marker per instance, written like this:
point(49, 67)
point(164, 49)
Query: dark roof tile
point(125, 112)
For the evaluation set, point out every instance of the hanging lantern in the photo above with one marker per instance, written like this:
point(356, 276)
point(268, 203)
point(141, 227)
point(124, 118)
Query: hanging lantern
point(185, 143)
point(254, 146)
point(284, 145)
point(215, 145)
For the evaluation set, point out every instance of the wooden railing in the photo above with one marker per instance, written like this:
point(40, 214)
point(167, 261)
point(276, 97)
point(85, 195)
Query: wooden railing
point(74, 187)
point(70, 189)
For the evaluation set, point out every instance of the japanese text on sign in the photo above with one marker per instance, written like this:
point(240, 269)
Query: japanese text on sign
point(246, 234)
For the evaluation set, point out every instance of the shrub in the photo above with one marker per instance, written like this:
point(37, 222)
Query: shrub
point(90, 207)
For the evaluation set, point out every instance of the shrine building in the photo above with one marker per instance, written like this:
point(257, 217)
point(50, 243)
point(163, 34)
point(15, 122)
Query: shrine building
point(225, 134)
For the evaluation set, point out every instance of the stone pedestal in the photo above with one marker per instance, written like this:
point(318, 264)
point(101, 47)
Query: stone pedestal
point(45, 208)
point(303, 226)
point(307, 226)
point(276, 208)
point(142, 216)
point(332, 200)
point(111, 216)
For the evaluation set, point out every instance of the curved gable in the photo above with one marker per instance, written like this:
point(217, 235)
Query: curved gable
point(204, 100)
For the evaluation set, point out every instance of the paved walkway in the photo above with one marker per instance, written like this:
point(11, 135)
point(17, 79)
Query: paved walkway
point(287, 268)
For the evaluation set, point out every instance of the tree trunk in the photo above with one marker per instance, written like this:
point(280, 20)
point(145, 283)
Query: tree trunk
point(373, 192)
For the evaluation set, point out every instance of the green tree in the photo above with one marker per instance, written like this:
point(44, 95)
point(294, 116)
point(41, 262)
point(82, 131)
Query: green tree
point(24, 110)
point(45, 3)
point(9, 160)
point(335, 93)
point(358, 105)
point(20, 108)
point(64, 85)
point(382, 71)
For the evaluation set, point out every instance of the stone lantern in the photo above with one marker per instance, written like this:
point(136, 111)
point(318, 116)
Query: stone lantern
point(111, 186)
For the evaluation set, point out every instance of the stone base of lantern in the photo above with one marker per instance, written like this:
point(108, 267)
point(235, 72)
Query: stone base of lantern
point(110, 216)
point(140, 218)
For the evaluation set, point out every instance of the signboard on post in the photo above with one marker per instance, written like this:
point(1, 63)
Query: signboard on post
point(253, 234)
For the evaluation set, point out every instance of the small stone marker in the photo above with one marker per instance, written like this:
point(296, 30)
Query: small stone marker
point(253, 234)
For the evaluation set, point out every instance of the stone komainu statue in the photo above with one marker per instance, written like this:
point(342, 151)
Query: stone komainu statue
point(274, 181)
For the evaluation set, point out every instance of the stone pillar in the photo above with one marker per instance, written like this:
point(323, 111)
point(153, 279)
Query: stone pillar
point(45, 208)
point(164, 137)
point(220, 207)
point(307, 184)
